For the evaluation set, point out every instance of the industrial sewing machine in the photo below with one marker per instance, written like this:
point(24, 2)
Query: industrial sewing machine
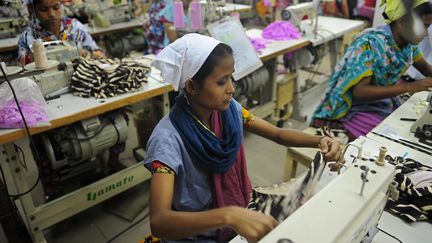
point(11, 18)
point(104, 13)
point(296, 13)
point(9, 27)
point(56, 81)
point(79, 149)
point(422, 128)
point(347, 209)
point(213, 10)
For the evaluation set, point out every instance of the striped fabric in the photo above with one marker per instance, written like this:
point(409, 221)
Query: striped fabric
point(103, 78)
point(281, 200)
point(415, 191)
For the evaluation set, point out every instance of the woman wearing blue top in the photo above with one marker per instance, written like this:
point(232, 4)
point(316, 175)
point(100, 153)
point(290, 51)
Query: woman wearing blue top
point(200, 187)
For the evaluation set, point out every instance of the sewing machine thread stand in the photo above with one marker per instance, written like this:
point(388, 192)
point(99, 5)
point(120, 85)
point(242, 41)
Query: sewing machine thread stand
point(363, 176)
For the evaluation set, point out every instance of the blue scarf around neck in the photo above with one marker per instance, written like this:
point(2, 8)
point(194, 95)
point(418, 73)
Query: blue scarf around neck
point(218, 155)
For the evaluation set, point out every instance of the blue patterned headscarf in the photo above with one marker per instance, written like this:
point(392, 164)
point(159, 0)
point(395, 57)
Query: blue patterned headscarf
point(217, 155)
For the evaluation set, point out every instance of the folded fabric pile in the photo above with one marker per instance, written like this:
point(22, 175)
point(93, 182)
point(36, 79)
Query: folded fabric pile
point(104, 78)
point(415, 191)
point(281, 30)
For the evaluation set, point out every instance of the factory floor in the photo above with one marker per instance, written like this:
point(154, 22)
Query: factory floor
point(265, 165)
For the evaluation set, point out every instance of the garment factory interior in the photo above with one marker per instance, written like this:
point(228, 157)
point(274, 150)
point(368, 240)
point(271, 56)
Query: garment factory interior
point(215, 121)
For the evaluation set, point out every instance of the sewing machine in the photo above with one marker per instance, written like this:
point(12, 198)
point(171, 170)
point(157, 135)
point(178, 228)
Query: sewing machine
point(11, 18)
point(423, 126)
point(61, 51)
point(296, 13)
point(348, 208)
point(104, 13)
point(9, 27)
point(213, 10)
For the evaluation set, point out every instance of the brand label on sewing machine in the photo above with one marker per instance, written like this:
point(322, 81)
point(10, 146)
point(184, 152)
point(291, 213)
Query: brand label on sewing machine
point(91, 196)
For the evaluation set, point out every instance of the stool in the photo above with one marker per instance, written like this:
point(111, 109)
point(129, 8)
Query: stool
point(296, 155)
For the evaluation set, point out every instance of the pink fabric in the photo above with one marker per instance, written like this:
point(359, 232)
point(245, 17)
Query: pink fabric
point(259, 43)
point(233, 188)
point(34, 114)
point(362, 123)
point(281, 30)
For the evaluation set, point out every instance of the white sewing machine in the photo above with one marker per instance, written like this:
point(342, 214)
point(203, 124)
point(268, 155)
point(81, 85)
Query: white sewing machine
point(11, 18)
point(108, 11)
point(423, 126)
point(346, 210)
point(296, 13)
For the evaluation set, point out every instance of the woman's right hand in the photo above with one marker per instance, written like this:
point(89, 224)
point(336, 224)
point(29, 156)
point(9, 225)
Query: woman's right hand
point(249, 224)
point(421, 85)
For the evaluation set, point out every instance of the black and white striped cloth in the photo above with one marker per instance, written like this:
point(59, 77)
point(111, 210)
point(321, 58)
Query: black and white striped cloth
point(103, 78)
point(281, 200)
point(415, 191)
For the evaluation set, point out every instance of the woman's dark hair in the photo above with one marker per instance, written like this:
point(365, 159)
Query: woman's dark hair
point(423, 9)
point(219, 52)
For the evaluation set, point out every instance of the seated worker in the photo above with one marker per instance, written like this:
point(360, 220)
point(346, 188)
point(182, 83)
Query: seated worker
point(364, 85)
point(200, 187)
point(48, 24)
point(154, 29)
point(166, 16)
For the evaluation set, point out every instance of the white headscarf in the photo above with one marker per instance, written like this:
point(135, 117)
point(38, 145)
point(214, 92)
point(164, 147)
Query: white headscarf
point(182, 59)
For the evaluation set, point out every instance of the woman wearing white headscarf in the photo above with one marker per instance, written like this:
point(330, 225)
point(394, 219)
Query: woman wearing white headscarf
point(200, 187)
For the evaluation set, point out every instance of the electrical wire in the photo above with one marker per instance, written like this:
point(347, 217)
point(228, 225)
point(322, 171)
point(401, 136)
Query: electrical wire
point(128, 228)
point(392, 236)
point(32, 144)
point(23, 161)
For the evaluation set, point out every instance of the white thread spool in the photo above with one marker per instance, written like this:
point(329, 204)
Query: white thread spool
point(381, 156)
point(39, 54)
point(3, 64)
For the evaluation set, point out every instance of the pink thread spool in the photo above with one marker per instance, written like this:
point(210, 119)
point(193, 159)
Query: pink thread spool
point(178, 15)
point(195, 15)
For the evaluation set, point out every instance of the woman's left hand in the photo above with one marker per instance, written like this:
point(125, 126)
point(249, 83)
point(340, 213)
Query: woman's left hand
point(332, 152)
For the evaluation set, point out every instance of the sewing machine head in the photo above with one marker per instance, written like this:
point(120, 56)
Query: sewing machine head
point(346, 210)
point(61, 51)
point(9, 27)
point(213, 10)
point(296, 13)
point(423, 126)
point(104, 13)
point(119, 13)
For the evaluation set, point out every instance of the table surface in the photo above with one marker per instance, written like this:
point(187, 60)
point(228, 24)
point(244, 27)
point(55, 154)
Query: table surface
point(69, 108)
point(419, 231)
point(275, 48)
point(330, 28)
